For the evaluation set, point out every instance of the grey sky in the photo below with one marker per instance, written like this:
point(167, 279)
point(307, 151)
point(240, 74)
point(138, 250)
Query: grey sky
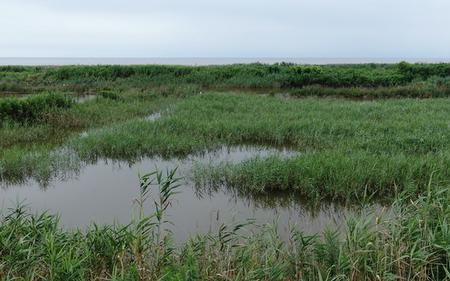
point(225, 28)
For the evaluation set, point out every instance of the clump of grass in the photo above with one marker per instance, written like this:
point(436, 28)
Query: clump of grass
point(411, 243)
point(32, 108)
point(358, 177)
point(56, 125)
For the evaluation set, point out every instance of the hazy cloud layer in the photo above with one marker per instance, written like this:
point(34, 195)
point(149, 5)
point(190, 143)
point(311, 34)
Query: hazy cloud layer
point(225, 28)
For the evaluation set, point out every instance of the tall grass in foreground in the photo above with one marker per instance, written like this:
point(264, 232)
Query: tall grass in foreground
point(413, 243)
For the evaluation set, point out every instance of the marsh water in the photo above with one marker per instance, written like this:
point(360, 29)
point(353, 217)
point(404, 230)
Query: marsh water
point(104, 192)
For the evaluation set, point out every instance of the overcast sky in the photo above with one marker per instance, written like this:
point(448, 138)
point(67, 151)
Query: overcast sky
point(225, 28)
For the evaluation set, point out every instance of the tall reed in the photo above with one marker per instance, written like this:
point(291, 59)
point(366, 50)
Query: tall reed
point(411, 242)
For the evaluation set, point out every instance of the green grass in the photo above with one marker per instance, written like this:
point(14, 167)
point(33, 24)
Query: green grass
point(347, 149)
point(358, 151)
point(411, 243)
point(407, 80)
point(432, 88)
point(331, 175)
point(28, 149)
point(32, 109)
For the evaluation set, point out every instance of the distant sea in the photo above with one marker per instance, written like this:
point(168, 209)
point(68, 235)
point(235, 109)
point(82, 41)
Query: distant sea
point(206, 61)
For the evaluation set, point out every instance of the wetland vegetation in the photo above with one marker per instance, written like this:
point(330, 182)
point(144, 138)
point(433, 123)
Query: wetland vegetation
point(361, 134)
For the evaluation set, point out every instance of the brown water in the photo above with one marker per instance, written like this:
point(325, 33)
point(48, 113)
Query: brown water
point(104, 193)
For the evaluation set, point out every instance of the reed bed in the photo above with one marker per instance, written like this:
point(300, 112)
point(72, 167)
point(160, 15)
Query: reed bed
point(346, 149)
point(411, 243)
point(375, 80)
point(372, 148)
point(32, 109)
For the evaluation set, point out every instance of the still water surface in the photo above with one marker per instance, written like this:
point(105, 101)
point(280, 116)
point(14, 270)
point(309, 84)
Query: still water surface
point(104, 193)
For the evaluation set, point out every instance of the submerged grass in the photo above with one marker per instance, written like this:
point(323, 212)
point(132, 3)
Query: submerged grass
point(413, 243)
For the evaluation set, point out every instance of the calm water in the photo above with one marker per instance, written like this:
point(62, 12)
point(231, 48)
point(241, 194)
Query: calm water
point(206, 61)
point(104, 193)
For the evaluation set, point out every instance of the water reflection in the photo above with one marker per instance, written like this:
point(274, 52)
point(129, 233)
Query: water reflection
point(104, 192)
